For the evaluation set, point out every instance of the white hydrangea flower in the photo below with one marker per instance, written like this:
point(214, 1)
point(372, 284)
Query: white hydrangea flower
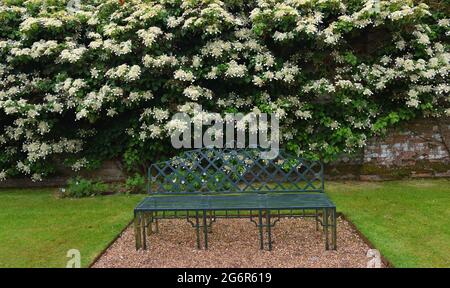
point(36, 177)
point(159, 61)
point(444, 22)
point(72, 55)
point(95, 73)
point(183, 75)
point(149, 35)
point(303, 114)
point(195, 92)
point(133, 73)
point(235, 70)
point(2, 175)
point(413, 102)
point(79, 164)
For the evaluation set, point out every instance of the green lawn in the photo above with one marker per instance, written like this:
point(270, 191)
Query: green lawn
point(37, 229)
point(408, 221)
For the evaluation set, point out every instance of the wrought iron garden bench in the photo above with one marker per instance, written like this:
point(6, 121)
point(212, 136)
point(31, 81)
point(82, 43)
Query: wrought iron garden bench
point(206, 184)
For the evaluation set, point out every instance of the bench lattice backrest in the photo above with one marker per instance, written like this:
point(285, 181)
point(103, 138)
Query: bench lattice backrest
point(210, 170)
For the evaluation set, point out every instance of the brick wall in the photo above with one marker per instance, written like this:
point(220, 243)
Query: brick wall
point(418, 149)
point(110, 171)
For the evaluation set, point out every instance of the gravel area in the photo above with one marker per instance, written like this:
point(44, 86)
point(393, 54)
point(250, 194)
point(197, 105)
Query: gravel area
point(233, 243)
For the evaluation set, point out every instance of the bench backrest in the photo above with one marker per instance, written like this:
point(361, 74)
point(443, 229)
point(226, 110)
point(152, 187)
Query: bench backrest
point(211, 170)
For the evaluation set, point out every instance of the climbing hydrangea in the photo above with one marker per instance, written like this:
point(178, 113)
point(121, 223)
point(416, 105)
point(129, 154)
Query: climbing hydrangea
point(78, 86)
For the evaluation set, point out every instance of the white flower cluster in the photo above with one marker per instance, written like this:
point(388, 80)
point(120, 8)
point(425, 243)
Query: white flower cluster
point(149, 35)
point(235, 70)
point(73, 53)
point(183, 75)
point(38, 49)
point(195, 92)
point(124, 72)
point(159, 61)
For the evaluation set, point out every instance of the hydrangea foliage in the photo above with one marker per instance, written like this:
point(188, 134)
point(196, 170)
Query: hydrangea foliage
point(101, 81)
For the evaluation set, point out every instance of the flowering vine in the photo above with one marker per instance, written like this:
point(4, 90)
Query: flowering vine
point(78, 87)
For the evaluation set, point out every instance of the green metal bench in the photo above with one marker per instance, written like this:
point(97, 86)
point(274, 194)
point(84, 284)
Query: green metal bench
point(206, 184)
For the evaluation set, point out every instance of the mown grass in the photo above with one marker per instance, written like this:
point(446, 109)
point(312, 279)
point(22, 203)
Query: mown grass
point(408, 221)
point(37, 229)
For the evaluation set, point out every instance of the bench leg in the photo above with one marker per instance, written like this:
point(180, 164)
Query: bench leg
point(334, 228)
point(149, 222)
point(156, 225)
point(323, 220)
point(197, 229)
point(269, 230)
point(317, 220)
point(205, 228)
point(143, 231)
point(325, 224)
point(260, 226)
point(211, 220)
point(137, 230)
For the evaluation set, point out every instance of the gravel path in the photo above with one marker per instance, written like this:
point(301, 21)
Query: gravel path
point(234, 243)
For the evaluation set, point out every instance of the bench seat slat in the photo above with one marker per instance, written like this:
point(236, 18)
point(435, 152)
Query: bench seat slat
point(230, 202)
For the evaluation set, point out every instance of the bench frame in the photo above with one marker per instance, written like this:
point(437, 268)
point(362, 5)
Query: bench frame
point(202, 178)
